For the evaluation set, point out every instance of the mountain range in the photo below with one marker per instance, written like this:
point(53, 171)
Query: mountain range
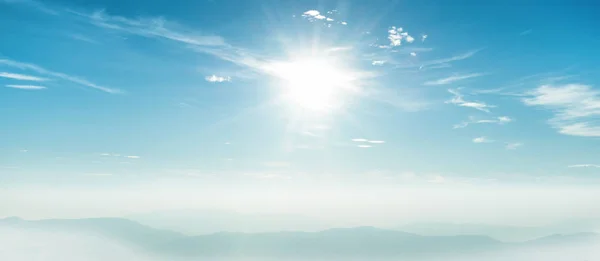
point(339, 242)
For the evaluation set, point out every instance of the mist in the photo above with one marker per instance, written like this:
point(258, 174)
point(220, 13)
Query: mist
point(331, 205)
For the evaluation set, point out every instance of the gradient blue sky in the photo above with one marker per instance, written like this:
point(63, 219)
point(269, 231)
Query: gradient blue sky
point(122, 92)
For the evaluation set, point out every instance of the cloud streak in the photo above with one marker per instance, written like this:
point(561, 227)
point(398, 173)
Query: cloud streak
point(153, 28)
point(63, 76)
point(21, 77)
point(451, 79)
point(459, 100)
point(584, 166)
point(215, 78)
point(499, 120)
point(575, 107)
point(26, 87)
point(482, 140)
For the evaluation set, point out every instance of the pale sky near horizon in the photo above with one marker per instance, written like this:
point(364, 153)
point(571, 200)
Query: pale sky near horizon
point(259, 106)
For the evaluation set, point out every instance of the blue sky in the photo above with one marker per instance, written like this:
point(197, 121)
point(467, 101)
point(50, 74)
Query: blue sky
point(112, 93)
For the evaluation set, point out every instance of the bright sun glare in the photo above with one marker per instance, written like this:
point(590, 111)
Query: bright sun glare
point(314, 84)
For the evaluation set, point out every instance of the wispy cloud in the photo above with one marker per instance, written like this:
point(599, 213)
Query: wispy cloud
point(499, 120)
point(21, 77)
point(364, 146)
point(584, 166)
point(575, 107)
point(452, 79)
point(368, 141)
point(26, 87)
point(215, 78)
point(458, 57)
point(482, 140)
point(526, 32)
point(63, 76)
point(152, 27)
point(133, 157)
point(378, 62)
point(459, 100)
point(33, 4)
point(513, 145)
point(83, 38)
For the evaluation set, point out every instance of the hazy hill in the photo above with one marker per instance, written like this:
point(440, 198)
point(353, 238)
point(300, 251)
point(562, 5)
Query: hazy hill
point(502, 232)
point(365, 242)
point(209, 221)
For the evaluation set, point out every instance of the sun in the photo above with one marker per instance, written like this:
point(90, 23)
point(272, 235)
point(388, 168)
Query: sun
point(314, 84)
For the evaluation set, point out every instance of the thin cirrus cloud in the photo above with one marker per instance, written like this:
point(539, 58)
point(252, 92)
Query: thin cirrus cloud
point(66, 77)
point(451, 79)
point(21, 77)
point(584, 166)
point(575, 107)
point(26, 87)
point(498, 120)
point(151, 27)
point(459, 100)
point(215, 78)
point(362, 142)
point(513, 145)
point(482, 140)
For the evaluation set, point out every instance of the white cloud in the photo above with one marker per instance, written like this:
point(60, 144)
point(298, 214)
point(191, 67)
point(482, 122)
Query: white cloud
point(396, 36)
point(585, 166)
point(360, 140)
point(413, 54)
point(423, 37)
point(364, 146)
point(66, 77)
point(452, 79)
point(25, 87)
point(460, 101)
point(378, 62)
point(315, 15)
point(482, 140)
point(513, 146)
point(21, 77)
point(132, 157)
point(105, 154)
point(376, 141)
point(499, 120)
point(214, 78)
point(575, 106)
point(343, 23)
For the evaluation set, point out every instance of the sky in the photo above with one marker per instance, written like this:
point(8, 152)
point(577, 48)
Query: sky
point(221, 100)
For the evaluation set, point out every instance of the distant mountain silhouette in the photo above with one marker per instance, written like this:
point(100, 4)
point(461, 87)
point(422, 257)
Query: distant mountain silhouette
point(339, 242)
point(502, 232)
